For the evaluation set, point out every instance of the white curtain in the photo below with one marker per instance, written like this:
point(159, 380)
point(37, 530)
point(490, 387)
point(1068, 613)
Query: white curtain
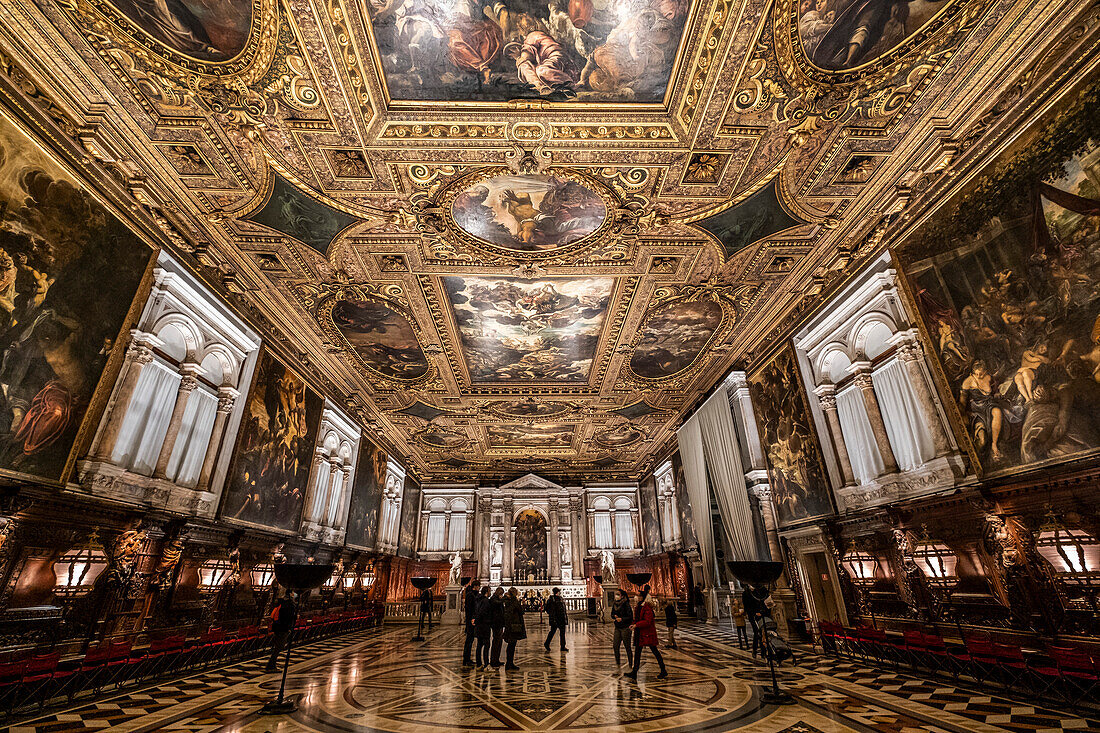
point(624, 530)
point(727, 476)
point(690, 439)
point(435, 532)
point(189, 450)
point(602, 522)
point(905, 424)
point(858, 438)
point(143, 428)
point(457, 540)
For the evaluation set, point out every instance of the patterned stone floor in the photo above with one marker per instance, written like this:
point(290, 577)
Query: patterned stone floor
point(381, 681)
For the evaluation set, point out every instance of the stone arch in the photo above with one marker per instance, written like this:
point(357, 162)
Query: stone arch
point(868, 332)
point(179, 334)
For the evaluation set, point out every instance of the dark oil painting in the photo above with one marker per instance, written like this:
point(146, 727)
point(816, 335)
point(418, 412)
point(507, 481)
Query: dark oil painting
point(529, 330)
point(366, 496)
point(650, 514)
point(796, 469)
point(476, 50)
point(546, 435)
point(295, 214)
point(683, 502)
point(530, 539)
point(844, 34)
point(69, 273)
point(759, 216)
point(275, 449)
point(1005, 279)
point(382, 338)
point(673, 337)
point(410, 518)
point(619, 436)
point(207, 30)
point(529, 408)
point(529, 212)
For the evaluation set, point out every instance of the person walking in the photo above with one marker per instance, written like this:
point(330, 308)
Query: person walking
point(473, 590)
point(645, 625)
point(283, 618)
point(496, 622)
point(670, 621)
point(514, 628)
point(557, 618)
point(623, 616)
point(483, 627)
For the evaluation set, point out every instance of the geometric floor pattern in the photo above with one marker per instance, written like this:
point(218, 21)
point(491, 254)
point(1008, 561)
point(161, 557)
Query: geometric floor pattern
point(379, 680)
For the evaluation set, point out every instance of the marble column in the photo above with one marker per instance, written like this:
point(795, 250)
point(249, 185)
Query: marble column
point(138, 354)
point(484, 521)
point(187, 386)
point(330, 496)
point(826, 394)
point(447, 530)
point(509, 541)
point(911, 355)
point(862, 377)
point(552, 543)
point(785, 607)
point(227, 397)
point(313, 497)
point(341, 522)
point(739, 387)
point(576, 522)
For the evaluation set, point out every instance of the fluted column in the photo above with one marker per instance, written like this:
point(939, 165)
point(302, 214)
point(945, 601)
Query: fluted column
point(911, 355)
point(826, 394)
point(227, 397)
point(138, 354)
point(187, 386)
point(552, 542)
point(862, 377)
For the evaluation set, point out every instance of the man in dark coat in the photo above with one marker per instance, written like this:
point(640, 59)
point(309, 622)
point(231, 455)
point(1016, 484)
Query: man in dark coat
point(623, 616)
point(755, 600)
point(284, 616)
point(469, 619)
point(556, 617)
point(496, 621)
point(514, 628)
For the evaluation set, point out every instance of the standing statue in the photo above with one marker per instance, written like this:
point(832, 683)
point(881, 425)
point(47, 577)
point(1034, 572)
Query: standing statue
point(456, 569)
point(607, 565)
point(498, 550)
point(563, 550)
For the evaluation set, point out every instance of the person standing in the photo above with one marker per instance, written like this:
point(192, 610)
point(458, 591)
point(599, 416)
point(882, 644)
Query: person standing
point(737, 609)
point(427, 600)
point(754, 598)
point(483, 627)
point(469, 619)
point(623, 617)
point(496, 621)
point(670, 621)
point(514, 628)
point(557, 618)
point(645, 625)
point(283, 618)
point(700, 603)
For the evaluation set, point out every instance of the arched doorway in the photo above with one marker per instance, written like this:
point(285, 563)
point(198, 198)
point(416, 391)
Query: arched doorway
point(530, 547)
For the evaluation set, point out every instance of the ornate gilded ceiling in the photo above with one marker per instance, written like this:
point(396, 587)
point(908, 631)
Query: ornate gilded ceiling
point(518, 235)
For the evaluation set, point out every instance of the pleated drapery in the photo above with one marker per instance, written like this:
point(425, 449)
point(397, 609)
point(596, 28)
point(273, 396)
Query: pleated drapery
point(905, 423)
point(727, 476)
point(867, 463)
point(690, 439)
point(189, 449)
point(145, 424)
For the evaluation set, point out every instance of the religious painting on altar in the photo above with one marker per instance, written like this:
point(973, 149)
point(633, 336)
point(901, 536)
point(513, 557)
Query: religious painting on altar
point(683, 501)
point(546, 435)
point(207, 30)
point(270, 472)
point(69, 274)
point(585, 50)
point(382, 339)
point(530, 544)
point(410, 519)
point(844, 34)
point(529, 330)
point(796, 468)
point(366, 496)
point(673, 337)
point(650, 514)
point(1004, 277)
point(529, 212)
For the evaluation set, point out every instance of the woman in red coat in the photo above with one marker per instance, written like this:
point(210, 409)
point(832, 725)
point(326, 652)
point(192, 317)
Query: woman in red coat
point(645, 625)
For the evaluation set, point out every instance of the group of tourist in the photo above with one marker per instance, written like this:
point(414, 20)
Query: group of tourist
point(495, 620)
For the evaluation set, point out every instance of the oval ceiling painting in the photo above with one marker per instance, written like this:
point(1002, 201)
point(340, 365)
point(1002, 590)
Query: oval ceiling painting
point(619, 437)
point(673, 337)
point(206, 30)
point(442, 438)
point(842, 34)
point(529, 213)
point(382, 338)
point(529, 408)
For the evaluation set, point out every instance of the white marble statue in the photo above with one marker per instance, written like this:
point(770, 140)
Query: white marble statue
point(607, 565)
point(498, 550)
point(563, 550)
point(456, 569)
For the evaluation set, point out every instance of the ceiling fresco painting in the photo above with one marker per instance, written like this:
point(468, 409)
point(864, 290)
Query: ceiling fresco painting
point(478, 51)
point(505, 236)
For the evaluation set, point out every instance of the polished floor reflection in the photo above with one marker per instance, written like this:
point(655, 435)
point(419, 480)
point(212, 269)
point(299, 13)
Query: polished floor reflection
point(381, 681)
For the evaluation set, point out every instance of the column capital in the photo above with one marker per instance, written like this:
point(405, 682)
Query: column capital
point(737, 381)
point(863, 380)
point(828, 388)
point(762, 492)
point(190, 379)
point(227, 397)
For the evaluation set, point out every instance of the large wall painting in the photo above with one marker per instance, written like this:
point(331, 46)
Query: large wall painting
point(410, 518)
point(650, 514)
point(366, 496)
point(530, 544)
point(608, 50)
point(274, 450)
point(796, 468)
point(673, 337)
point(687, 516)
point(69, 274)
point(529, 212)
point(383, 339)
point(546, 435)
point(1004, 277)
point(207, 30)
point(529, 330)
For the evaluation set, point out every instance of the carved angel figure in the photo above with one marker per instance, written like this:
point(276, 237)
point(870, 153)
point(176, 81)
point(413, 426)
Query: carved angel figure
point(456, 569)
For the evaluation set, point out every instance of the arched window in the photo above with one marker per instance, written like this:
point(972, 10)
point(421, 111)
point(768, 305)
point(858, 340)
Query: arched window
point(602, 523)
point(437, 523)
point(456, 537)
point(624, 524)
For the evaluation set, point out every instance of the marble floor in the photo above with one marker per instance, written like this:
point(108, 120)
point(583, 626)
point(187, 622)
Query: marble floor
point(379, 680)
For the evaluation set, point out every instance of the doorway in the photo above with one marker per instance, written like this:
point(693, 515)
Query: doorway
point(817, 579)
